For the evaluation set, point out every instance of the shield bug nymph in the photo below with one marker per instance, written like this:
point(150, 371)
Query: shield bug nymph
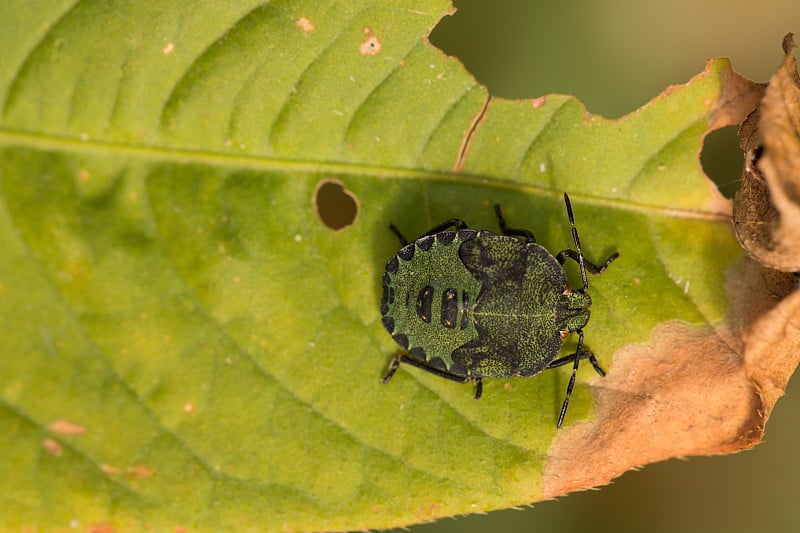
point(470, 304)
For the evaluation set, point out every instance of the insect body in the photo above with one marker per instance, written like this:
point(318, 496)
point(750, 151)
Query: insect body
point(468, 304)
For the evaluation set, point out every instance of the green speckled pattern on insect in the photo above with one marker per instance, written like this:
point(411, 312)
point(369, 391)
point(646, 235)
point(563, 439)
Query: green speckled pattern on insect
point(439, 268)
point(517, 308)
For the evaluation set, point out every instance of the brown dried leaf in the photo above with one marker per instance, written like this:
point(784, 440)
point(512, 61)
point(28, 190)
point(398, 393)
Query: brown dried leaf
point(649, 408)
point(767, 208)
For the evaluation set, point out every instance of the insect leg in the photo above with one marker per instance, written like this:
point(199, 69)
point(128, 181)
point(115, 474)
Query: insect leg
point(402, 358)
point(562, 256)
point(399, 235)
point(577, 242)
point(392, 369)
point(456, 223)
point(512, 232)
point(578, 255)
point(577, 357)
point(595, 365)
point(585, 354)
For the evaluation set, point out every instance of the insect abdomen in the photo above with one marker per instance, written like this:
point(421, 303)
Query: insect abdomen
point(428, 297)
point(453, 312)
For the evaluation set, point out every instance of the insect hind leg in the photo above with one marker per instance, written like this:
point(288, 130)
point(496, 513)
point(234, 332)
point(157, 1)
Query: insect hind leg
point(402, 358)
point(512, 232)
point(403, 241)
point(456, 223)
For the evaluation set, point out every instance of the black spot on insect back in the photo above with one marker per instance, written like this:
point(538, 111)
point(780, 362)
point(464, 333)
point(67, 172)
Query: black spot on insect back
point(425, 303)
point(449, 315)
point(466, 234)
point(437, 363)
point(418, 353)
point(406, 253)
point(425, 243)
point(464, 309)
point(402, 340)
point(445, 237)
point(392, 265)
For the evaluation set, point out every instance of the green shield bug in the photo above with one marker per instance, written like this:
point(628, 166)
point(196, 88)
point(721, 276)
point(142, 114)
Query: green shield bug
point(470, 304)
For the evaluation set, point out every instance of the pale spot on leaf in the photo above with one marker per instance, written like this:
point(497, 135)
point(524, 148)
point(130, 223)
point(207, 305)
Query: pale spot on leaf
point(140, 471)
point(304, 24)
point(52, 447)
point(371, 45)
point(110, 470)
point(100, 528)
point(63, 427)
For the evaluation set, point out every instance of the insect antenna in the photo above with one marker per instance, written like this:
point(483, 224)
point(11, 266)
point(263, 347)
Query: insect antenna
point(577, 241)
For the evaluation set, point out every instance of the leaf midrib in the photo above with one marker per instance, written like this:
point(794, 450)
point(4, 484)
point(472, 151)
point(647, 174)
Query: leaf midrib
point(49, 142)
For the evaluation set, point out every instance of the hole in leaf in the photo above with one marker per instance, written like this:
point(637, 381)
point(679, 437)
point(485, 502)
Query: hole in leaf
point(722, 159)
point(336, 207)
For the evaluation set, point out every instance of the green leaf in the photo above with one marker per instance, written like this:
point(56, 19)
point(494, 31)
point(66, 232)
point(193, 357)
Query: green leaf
point(186, 344)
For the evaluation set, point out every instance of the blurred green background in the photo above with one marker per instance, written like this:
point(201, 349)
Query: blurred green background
point(615, 56)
